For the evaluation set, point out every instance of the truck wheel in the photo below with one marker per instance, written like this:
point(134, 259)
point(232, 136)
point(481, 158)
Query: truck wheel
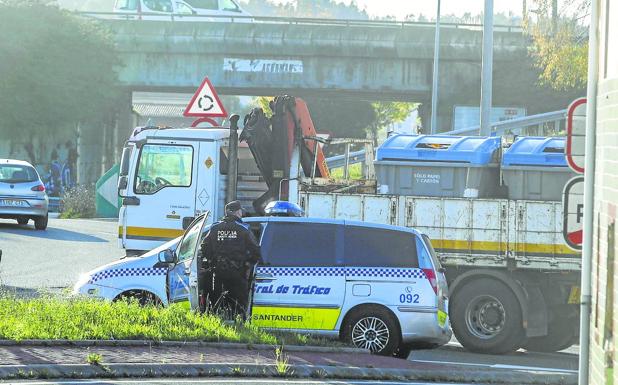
point(373, 328)
point(486, 317)
point(22, 221)
point(40, 223)
point(559, 336)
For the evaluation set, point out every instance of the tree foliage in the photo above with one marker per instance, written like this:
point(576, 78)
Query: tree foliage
point(56, 69)
point(560, 44)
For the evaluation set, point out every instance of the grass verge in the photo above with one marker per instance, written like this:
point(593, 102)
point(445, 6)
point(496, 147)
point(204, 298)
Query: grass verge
point(81, 319)
point(53, 317)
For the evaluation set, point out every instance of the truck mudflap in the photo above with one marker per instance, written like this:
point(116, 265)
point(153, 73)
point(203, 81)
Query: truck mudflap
point(271, 142)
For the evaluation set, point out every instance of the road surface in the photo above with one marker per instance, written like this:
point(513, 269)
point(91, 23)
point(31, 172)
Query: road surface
point(227, 381)
point(54, 258)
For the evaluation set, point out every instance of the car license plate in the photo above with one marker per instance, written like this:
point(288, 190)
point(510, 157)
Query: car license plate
point(13, 203)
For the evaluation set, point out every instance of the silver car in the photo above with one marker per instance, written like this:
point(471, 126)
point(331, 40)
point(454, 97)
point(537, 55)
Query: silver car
point(22, 194)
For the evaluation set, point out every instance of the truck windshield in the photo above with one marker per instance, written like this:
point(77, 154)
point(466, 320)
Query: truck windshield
point(13, 173)
point(163, 165)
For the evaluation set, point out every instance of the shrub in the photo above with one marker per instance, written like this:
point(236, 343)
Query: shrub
point(78, 202)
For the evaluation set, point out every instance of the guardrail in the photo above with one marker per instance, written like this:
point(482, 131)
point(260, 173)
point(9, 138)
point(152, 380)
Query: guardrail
point(152, 16)
point(517, 125)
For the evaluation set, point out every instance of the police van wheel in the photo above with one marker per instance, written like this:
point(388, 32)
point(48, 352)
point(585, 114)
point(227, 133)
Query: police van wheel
point(22, 221)
point(373, 328)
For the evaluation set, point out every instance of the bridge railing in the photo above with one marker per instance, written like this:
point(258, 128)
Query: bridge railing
point(150, 16)
point(529, 125)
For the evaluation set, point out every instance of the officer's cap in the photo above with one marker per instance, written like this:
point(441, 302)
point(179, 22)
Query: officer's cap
point(233, 206)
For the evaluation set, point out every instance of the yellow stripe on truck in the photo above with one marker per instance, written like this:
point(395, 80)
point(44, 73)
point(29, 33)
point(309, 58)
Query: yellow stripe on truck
point(459, 245)
point(150, 232)
point(295, 317)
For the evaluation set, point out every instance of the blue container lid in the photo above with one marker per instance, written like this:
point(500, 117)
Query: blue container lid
point(478, 150)
point(536, 151)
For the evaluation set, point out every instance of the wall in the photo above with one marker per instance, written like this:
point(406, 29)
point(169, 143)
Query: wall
point(603, 321)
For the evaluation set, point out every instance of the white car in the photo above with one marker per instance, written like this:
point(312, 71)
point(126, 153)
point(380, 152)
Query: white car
point(22, 194)
point(380, 287)
point(179, 10)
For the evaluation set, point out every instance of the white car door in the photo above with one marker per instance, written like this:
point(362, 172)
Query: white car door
point(301, 284)
point(179, 276)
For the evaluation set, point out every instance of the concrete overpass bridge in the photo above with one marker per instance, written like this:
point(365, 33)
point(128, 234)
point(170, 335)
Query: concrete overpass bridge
point(349, 59)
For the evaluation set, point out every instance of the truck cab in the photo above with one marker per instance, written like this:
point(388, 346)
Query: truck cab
point(167, 178)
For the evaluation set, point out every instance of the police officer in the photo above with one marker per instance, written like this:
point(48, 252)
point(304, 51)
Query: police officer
point(229, 252)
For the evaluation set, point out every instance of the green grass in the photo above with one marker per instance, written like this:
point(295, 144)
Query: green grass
point(356, 172)
point(52, 317)
point(78, 319)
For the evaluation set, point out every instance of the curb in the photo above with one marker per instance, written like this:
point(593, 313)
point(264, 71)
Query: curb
point(218, 345)
point(86, 371)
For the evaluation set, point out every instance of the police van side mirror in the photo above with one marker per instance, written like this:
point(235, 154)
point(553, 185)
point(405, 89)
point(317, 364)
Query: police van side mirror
point(167, 256)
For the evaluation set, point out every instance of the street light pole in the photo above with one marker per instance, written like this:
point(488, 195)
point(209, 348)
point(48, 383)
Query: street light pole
point(487, 67)
point(434, 83)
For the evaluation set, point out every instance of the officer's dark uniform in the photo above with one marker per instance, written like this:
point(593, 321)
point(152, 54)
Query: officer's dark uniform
point(229, 252)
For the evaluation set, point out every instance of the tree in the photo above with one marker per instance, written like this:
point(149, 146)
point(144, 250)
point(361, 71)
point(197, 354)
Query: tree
point(328, 9)
point(56, 69)
point(387, 113)
point(560, 44)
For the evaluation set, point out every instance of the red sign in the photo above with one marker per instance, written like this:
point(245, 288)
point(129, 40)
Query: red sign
point(206, 103)
point(576, 135)
point(573, 206)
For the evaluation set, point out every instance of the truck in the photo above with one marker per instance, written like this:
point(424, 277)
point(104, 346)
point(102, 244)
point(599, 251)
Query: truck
point(513, 282)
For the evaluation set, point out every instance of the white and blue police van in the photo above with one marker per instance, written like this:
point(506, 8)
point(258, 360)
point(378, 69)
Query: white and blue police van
point(377, 286)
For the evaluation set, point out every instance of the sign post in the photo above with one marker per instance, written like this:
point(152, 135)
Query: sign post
point(205, 104)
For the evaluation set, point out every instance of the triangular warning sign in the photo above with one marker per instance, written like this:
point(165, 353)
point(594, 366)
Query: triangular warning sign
point(205, 102)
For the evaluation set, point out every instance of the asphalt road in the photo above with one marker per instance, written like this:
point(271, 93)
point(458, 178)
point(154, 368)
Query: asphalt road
point(227, 381)
point(54, 258)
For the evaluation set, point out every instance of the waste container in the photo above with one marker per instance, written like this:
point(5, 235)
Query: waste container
point(439, 166)
point(535, 168)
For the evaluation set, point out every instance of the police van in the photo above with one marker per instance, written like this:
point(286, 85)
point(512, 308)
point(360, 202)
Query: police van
point(379, 287)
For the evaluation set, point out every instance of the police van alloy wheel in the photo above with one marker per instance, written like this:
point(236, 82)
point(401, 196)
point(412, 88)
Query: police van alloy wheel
point(486, 317)
point(40, 223)
point(373, 328)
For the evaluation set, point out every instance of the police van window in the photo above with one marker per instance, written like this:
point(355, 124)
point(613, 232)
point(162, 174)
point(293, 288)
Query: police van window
point(126, 5)
point(204, 4)
point(187, 247)
point(432, 252)
point(162, 165)
point(366, 246)
point(300, 244)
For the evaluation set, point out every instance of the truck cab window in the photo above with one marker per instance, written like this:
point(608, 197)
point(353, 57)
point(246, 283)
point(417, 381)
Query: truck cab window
point(366, 246)
point(161, 166)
